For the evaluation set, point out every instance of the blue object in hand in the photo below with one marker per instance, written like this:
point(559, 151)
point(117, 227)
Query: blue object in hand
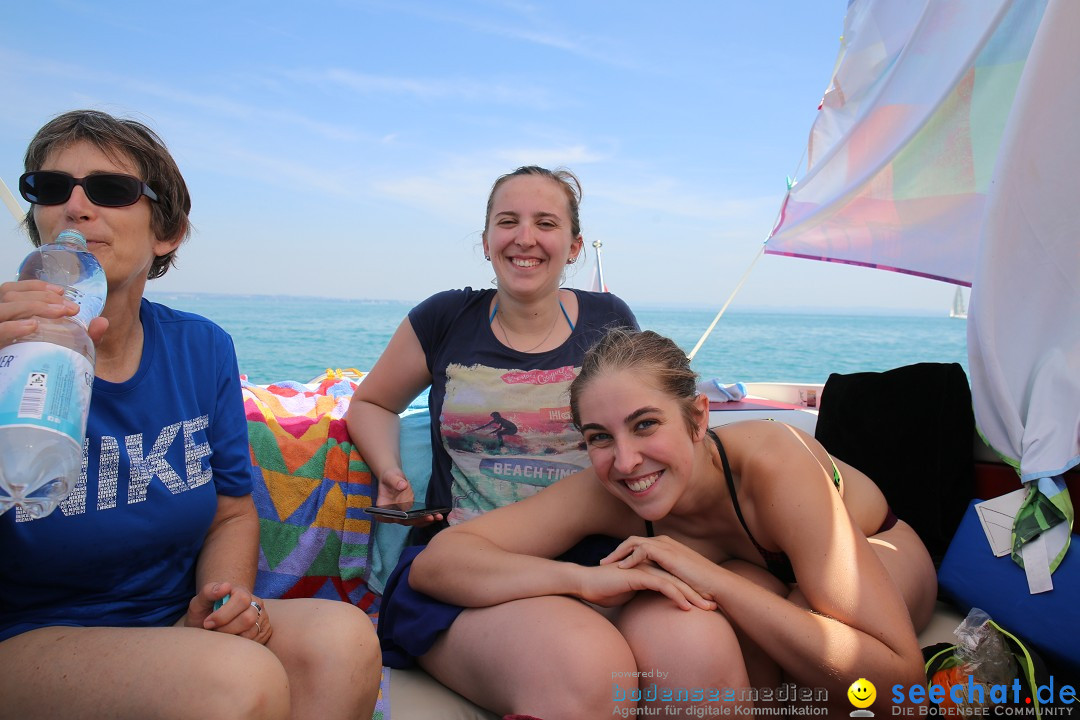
point(220, 602)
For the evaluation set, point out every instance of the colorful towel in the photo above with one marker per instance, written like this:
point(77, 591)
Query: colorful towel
point(1046, 513)
point(310, 488)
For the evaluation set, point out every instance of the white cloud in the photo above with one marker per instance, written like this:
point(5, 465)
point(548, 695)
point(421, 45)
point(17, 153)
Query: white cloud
point(427, 89)
point(212, 107)
point(530, 23)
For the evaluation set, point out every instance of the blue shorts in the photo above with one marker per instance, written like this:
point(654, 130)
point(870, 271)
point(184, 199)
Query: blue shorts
point(410, 621)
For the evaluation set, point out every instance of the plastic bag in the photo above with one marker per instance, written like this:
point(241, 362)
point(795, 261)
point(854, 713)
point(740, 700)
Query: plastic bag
point(987, 658)
point(981, 650)
point(980, 654)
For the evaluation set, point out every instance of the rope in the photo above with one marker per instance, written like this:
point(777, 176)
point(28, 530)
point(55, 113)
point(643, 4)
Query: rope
point(731, 297)
point(11, 202)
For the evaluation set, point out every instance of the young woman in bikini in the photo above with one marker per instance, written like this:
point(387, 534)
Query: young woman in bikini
point(752, 559)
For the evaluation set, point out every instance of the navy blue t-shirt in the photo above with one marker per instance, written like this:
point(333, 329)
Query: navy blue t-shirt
point(160, 447)
point(501, 427)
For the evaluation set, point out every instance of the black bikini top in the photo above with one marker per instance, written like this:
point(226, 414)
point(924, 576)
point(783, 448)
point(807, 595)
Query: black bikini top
point(776, 561)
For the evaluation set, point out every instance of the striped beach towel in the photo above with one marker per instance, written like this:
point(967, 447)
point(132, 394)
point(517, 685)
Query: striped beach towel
point(310, 488)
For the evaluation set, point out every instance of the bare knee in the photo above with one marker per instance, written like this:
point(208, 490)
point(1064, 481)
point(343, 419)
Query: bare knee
point(334, 634)
point(349, 641)
point(682, 648)
point(593, 666)
point(560, 654)
point(599, 664)
point(246, 682)
point(328, 647)
point(911, 569)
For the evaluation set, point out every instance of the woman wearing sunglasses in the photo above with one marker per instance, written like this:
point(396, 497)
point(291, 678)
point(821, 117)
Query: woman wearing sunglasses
point(113, 604)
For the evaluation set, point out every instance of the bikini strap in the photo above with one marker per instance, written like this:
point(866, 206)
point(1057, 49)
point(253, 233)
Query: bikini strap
point(493, 311)
point(731, 489)
point(566, 315)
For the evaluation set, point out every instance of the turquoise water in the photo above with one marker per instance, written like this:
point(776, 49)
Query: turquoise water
point(297, 338)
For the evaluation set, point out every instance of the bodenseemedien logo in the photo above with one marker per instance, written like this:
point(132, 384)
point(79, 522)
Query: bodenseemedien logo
point(862, 694)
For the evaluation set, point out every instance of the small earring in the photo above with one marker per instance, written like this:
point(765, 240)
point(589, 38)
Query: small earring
point(488, 258)
point(571, 261)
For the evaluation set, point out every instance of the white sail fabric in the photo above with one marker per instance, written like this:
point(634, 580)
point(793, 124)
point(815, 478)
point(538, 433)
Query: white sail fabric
point(946, 147)
point(1024, 312)
point(905, 142)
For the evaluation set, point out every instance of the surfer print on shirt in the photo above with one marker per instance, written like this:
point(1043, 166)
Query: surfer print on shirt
point(508, 433)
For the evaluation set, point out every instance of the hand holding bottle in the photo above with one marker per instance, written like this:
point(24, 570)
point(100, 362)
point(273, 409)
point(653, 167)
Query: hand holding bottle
point(47, 372)
point(22, 302)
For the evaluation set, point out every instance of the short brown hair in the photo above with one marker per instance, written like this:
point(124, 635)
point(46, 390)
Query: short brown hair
point(130, 140)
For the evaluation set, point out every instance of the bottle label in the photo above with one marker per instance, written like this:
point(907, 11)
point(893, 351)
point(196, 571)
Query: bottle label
point(45, 385)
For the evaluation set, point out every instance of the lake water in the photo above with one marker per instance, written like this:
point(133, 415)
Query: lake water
point(297, 338)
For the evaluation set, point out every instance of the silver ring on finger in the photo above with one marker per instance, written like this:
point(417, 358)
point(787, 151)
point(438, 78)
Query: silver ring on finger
point(257, 606)
point(258, 629)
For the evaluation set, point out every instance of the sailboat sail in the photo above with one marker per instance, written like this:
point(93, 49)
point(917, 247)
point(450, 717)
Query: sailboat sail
point(959, 307)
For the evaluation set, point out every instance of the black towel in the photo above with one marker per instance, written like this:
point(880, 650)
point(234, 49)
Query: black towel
point(911, 430)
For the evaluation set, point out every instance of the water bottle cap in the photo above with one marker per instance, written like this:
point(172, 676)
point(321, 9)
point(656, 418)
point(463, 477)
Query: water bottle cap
point(72, 236)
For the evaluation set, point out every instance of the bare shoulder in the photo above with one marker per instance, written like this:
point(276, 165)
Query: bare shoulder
point(766, 447)
point(782, 474)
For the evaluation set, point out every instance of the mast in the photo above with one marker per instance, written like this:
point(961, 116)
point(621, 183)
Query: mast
point(599, 284)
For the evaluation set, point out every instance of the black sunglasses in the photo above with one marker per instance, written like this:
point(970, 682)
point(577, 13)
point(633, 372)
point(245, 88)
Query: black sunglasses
point(48, 187)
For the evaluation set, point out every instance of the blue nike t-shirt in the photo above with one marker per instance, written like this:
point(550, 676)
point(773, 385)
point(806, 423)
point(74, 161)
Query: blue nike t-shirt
point(160, 447)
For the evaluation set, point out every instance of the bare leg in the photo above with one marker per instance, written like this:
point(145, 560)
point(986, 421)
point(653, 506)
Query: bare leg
point(905, 557)
point(330, 654)
point(684, 650)
point(170, 672)
point(552, 657)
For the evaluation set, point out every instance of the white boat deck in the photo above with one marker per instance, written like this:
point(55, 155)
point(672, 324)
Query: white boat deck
point(791, 403)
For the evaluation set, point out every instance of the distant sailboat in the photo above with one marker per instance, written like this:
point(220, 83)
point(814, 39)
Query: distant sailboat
point(959, 308)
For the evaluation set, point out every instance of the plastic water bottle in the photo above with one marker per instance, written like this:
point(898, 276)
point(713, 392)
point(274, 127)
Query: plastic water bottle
point(45, 383)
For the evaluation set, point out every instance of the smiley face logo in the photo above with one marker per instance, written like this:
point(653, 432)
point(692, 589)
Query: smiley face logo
point(862, 693)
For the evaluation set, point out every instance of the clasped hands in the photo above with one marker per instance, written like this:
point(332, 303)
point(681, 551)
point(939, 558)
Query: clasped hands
point(659, 564)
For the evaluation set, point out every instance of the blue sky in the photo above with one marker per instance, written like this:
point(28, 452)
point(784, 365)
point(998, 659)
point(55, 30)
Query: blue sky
point(346, 149)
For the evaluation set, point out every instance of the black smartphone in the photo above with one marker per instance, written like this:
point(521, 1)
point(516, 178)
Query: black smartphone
point(403, 511)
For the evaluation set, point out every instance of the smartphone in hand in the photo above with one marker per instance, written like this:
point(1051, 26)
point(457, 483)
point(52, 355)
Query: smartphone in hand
point(405, 511)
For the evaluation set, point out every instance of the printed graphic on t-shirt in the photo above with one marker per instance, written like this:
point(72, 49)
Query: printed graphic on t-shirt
point(508, 433)
point(177, 458)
